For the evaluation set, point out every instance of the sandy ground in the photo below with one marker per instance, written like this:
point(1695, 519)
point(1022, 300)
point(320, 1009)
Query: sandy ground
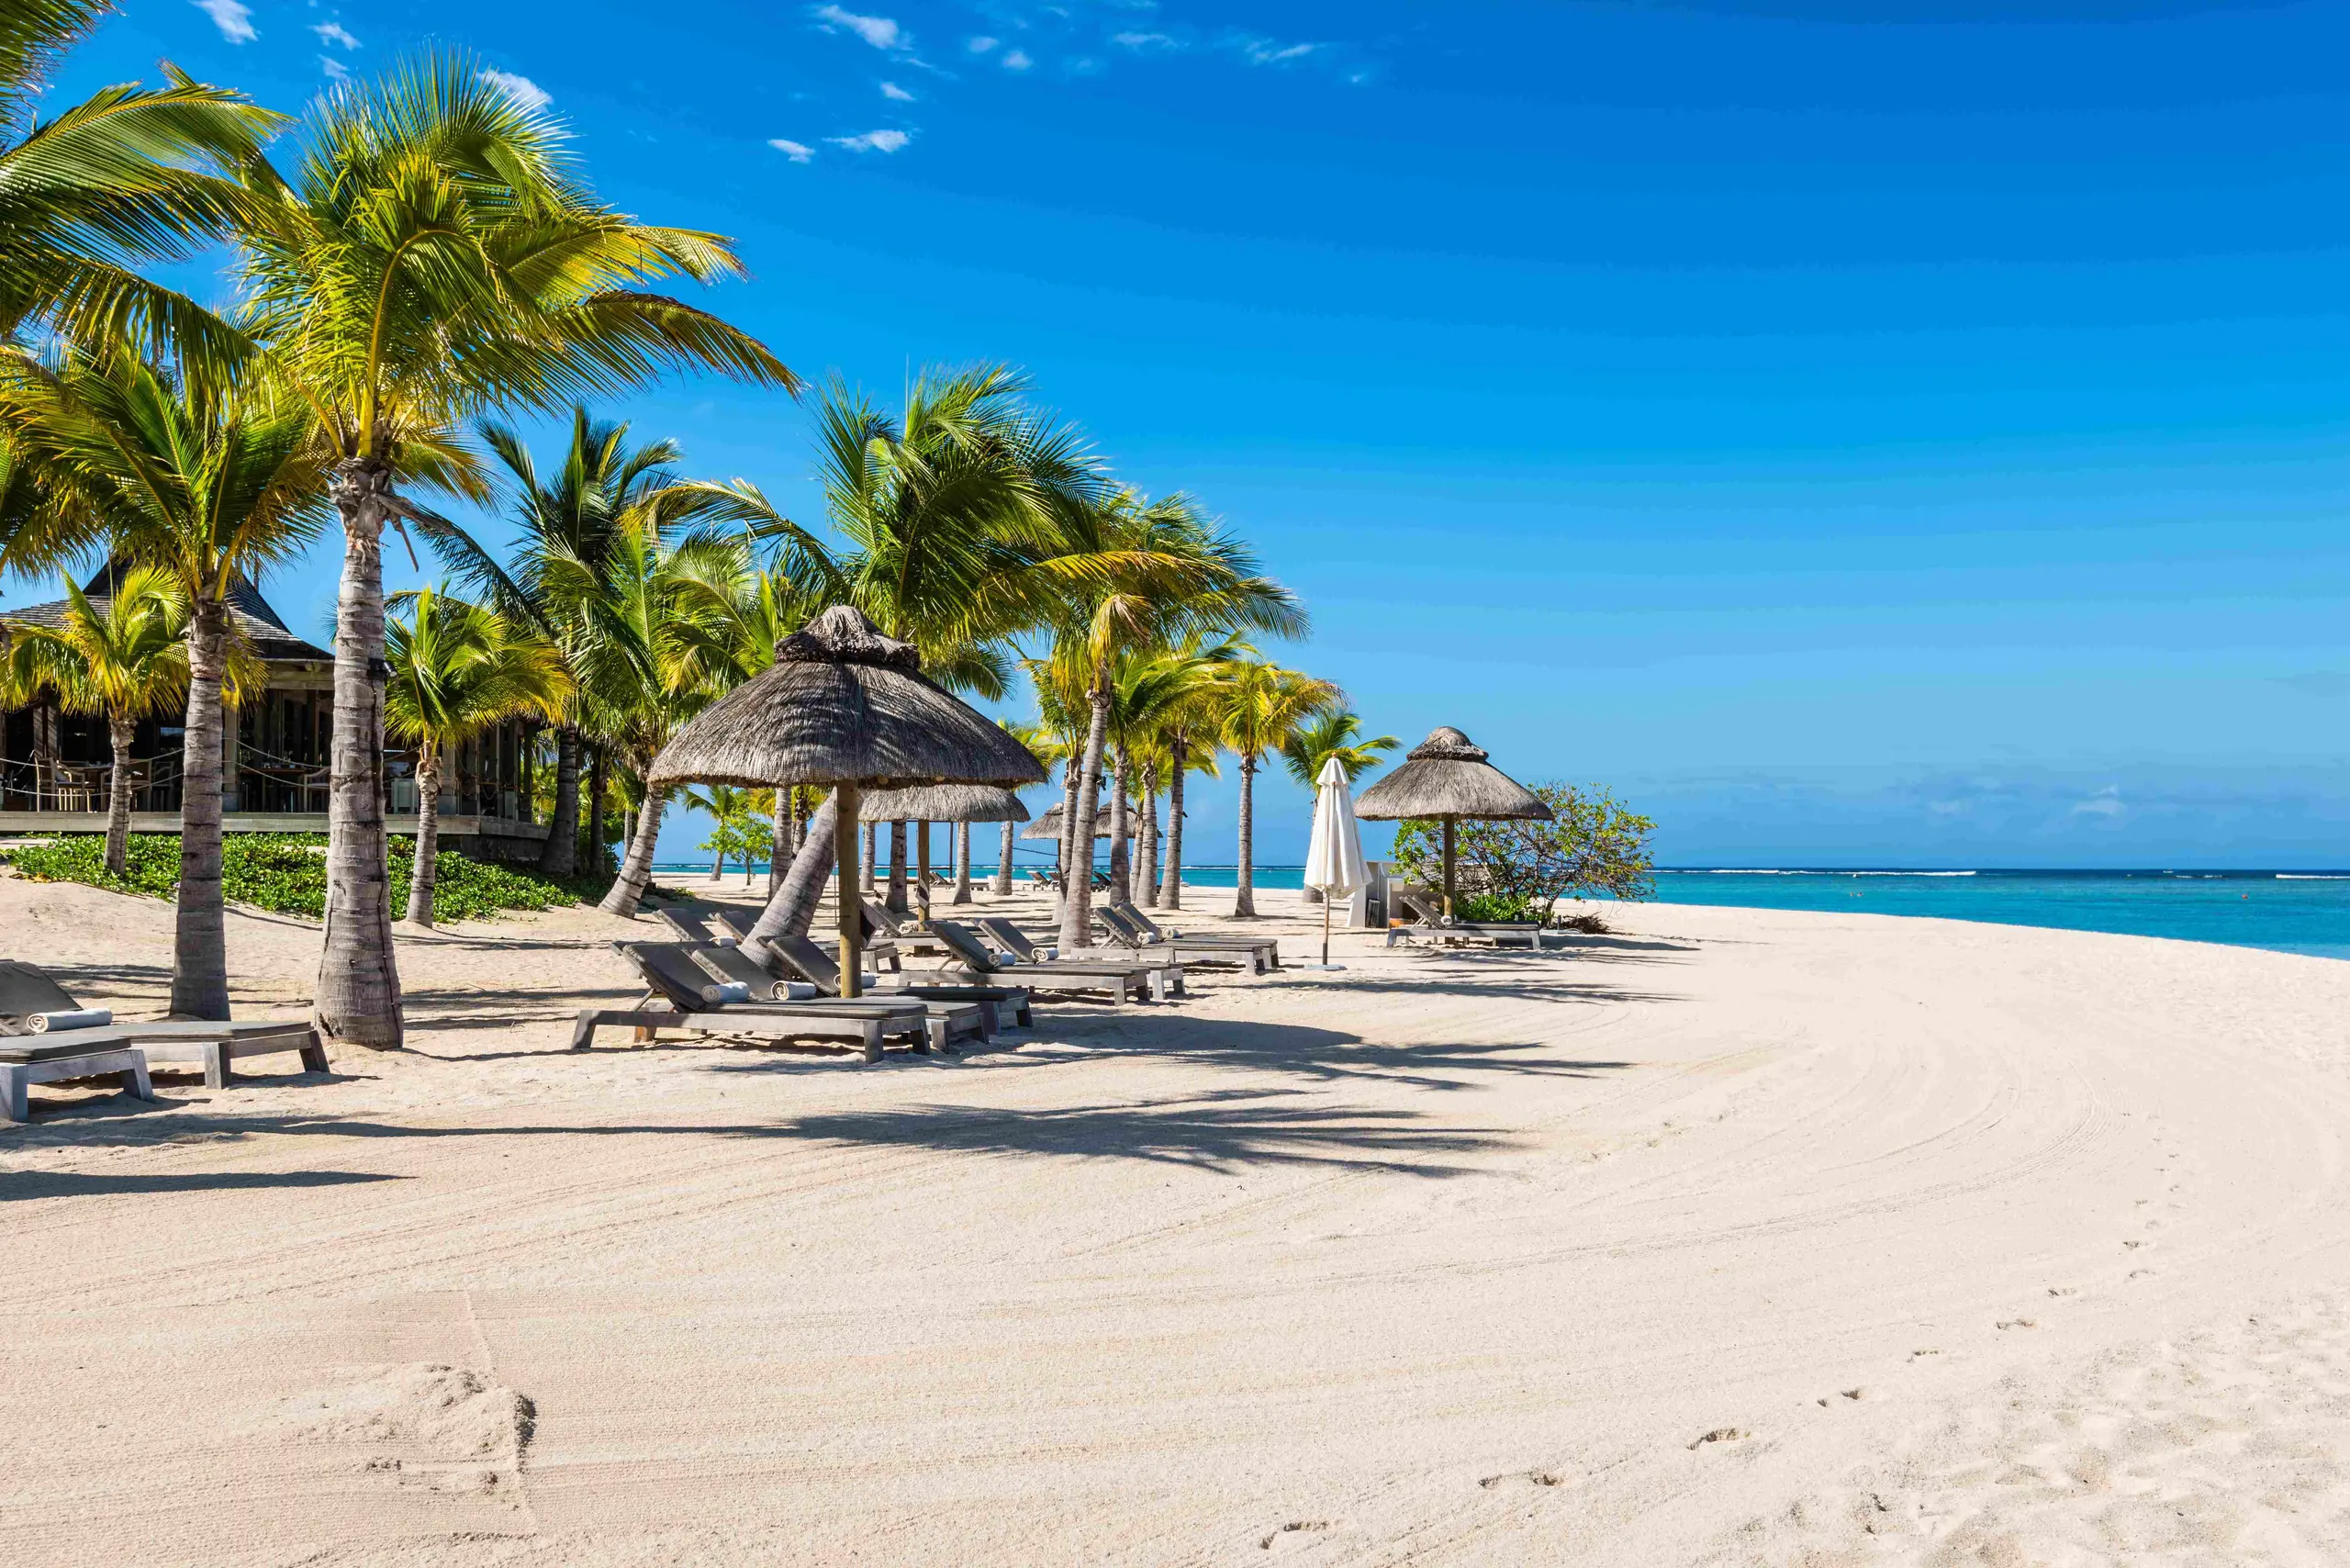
point(1743, 1237)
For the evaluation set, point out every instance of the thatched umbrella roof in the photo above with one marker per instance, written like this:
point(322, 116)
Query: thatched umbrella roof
point(944, 803)
point(842, 704)
point(1447, 776)
point(1049, 825)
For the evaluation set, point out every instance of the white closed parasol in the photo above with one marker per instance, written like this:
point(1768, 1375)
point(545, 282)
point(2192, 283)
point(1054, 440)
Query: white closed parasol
point(1334, 863)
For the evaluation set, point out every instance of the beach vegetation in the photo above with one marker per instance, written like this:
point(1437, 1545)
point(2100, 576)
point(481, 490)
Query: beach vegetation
point(1594, 845)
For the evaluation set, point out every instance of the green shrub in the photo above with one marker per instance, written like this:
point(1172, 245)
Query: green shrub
point(286, 873)
point(1493, 907)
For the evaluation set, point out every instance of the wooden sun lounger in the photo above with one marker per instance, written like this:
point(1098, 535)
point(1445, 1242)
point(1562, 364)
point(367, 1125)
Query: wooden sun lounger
point(214, 1042)
point(1141, 983)
point(816, 966)
point(669, 975)
point(731, 963)
point(1431, 924)
point(24, 1063)
point(1166, 973)
point(1144, 940)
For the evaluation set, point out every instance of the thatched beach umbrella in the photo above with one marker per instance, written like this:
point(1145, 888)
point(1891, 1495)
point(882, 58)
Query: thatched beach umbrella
point(847, 709)
point(927, 803)
point(1049, 825)
point(1445, 777)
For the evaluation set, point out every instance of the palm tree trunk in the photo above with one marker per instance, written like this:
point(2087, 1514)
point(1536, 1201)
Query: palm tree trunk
point(897, 904)
point(872, 859)
point(1147, 865)
point(121, 730)
point(637, 869)
point(1003, 859)
point(598, 783)
point(962, 863)
point(428, 837)
point(1244, 901)
point(1061, 861)
point(1171, 881)
point(358, 993)
point(779, 841)
point(1120, 824)
point(1077, 908)
point(922, 870)
point(561, 855)
point(791, 908)
point(199, 940)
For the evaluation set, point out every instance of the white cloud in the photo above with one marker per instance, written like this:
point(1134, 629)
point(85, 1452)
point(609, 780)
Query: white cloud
point(525, 91)
point(1272, 52)
point(335, 32)
point(1017, 61)
point(1143, 41)
point(333, 68)
point(2106, 802)
point(873, 141)
point(982, 45)
point(798, 151)
point(235, 22)
point(882, 32)
point(893, 91)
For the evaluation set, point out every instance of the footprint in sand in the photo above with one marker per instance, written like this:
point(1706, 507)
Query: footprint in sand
point(1526, 1477)
point(419, 1424)
point(2018, 1323)
point(2063, 1289)
point(1721, 1435)
point(1295, 1529)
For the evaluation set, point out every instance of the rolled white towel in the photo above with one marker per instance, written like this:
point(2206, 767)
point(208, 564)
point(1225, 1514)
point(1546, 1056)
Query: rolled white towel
point(1049, 952)
point(726, 991)
point(78, 1018)
point(725, 942)
point(794, 991)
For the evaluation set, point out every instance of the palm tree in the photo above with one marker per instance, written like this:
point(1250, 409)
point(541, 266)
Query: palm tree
point(1261, 705)
point(1141, 573)
point(1048, 748)
point(456, 671)
point(122, 662)
point(216, 484)
point(433, 256)
point(129, 175)
point(1335, 736)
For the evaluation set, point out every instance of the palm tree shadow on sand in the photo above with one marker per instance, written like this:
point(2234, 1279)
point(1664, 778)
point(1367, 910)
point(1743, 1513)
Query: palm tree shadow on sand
point(1226, 1131)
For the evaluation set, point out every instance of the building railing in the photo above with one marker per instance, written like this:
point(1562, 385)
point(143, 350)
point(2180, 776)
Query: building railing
point(264, 783)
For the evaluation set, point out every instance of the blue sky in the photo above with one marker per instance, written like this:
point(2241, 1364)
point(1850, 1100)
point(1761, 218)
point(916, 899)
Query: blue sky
point(1857, 433)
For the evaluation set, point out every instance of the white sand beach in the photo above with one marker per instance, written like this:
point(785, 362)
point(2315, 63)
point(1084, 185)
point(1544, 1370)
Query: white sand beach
point(1742, 1238)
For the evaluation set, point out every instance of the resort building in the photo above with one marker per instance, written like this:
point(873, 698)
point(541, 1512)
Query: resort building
point(56, 768)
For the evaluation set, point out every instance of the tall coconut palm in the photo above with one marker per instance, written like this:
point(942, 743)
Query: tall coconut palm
point(1332, 736)
point(127, 176)
point(122, 662)
point(1141, 573)
point(433, 256)
point(216, 484)
point(458, 670)
point(1260, 706)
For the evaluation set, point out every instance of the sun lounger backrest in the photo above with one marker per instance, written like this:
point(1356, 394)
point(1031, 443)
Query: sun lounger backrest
point(1123, 925)
point(669, 972)
point(812, 963)
point(724, 964)
point(1008, 937)
point(733, 919)
point(25, 989)
point(878, 918)
point(690, 921)
point(1140, 924)
point(1420, 908)
point(965, 944)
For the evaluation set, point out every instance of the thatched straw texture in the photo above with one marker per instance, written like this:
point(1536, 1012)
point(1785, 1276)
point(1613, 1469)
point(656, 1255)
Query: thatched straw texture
point(1049, 825)
point(944, 803)
point(1447, 776)
point(842, 704)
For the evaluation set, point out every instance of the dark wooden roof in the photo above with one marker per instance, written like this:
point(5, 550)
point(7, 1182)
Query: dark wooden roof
point(254, 616)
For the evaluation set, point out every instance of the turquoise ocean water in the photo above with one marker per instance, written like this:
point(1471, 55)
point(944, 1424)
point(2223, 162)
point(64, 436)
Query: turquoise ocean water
point(2291, 911)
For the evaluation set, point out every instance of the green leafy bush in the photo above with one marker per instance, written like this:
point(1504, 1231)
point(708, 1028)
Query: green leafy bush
point(286, 873)
point(1493, 907)
point(1594, 845)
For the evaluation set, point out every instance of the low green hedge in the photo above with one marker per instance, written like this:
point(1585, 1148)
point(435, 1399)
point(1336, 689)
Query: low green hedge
point(288, 872)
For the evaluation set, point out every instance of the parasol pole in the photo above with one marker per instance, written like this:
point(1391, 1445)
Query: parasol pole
point(845, 844)
point(1325, 930)
point(1448, 825)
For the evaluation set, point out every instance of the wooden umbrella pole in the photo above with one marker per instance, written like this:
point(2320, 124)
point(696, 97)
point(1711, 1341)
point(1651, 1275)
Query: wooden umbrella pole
point(1448, 867)
point(844, 845)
